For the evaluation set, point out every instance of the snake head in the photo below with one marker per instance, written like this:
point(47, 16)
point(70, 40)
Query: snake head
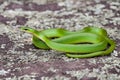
point(27, 29)
point(34, 32)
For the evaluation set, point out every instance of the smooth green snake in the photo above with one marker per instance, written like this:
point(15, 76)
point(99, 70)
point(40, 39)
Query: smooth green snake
point(85, 43)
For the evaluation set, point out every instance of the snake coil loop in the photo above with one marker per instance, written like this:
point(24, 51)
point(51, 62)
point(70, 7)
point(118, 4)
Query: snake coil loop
point(85, 43)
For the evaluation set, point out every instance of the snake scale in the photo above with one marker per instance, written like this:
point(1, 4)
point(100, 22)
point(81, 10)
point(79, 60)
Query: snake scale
point(86, 43)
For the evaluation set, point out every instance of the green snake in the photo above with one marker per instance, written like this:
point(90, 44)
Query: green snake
point(85, 43)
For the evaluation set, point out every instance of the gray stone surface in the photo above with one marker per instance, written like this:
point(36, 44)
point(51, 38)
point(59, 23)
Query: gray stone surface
point(20, 60)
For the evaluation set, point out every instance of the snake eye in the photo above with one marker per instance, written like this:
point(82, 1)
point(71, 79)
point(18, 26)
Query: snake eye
point(25, 29)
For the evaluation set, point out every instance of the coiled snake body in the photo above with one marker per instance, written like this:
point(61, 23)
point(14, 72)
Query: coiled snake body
point(85, 43)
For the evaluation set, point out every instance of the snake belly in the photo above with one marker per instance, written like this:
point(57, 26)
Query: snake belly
point(88, 42)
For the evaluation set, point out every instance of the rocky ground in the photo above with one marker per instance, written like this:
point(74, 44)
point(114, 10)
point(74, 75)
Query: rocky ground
point(20, 60)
